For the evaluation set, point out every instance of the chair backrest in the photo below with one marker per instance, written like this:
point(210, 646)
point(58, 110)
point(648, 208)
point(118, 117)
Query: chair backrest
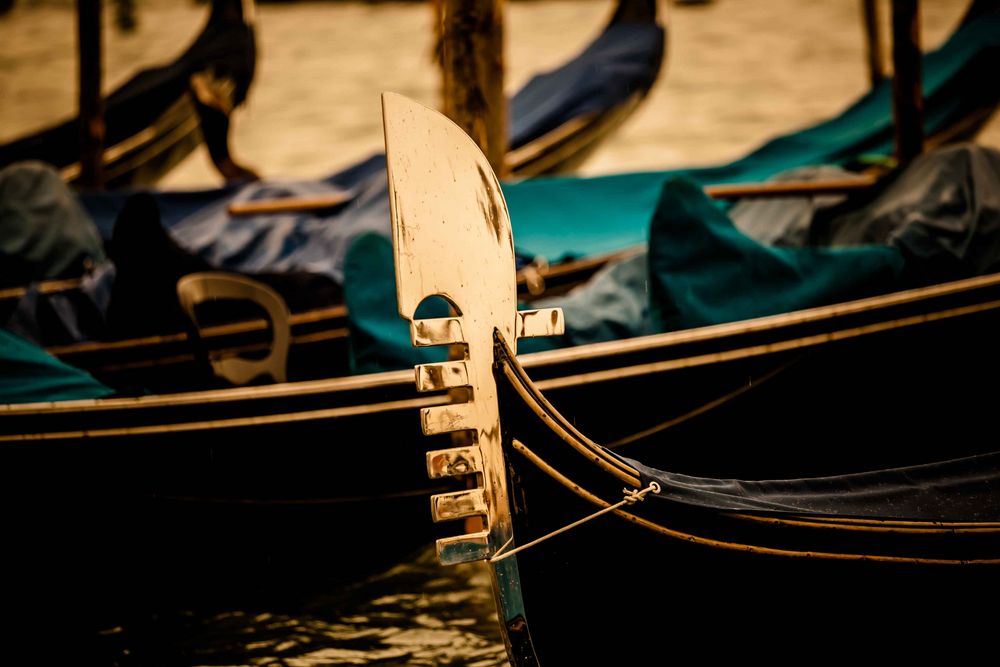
point(196, 288)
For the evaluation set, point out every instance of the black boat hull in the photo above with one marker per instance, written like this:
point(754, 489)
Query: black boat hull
point(655, 582)
point(139, 500)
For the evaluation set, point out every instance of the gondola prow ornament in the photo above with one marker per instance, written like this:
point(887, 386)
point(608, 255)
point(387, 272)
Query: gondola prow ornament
point(452, 239)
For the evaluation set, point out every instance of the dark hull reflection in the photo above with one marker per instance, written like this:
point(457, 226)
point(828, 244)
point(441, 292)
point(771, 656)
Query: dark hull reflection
point(414, 613)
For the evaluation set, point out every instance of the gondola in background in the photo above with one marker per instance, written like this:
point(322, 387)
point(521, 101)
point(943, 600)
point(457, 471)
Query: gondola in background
point(159, 116)
point(556, 119)
point(955, 108)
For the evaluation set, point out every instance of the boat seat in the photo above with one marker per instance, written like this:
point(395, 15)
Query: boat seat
point(198, 288)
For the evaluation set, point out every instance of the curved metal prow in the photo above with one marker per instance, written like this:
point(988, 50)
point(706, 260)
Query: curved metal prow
point(452, 238)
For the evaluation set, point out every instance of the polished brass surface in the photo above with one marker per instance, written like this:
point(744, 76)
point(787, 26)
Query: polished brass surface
point(454, 462)
point(451, 374)
point(541, 322)
point(452, 239)
point(458, 505)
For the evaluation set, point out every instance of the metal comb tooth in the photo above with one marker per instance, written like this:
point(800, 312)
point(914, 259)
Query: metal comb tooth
point(463, 548)
point(437, 331)
point(458, 505)
point(541, 322)
point(454, 462)
point(448, 418)
point(443, 375)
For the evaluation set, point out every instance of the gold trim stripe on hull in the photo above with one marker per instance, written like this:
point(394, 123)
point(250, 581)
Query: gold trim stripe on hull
point(185, 427)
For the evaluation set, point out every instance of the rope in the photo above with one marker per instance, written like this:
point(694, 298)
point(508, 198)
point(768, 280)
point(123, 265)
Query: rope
point(752, 383)
point(632, 496)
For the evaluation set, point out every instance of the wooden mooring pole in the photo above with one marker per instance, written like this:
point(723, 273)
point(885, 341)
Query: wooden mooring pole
point(471, 55)
point(907, 82)
point(873, 42)
point(91, 104)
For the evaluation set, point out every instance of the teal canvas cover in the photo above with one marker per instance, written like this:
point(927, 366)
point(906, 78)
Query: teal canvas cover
point(559, 218)
point(566, 217)
point(32, 375)
point(702, 270)
point(552, 218)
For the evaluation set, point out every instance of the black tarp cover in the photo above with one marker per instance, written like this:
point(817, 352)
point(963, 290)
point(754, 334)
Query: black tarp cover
point(965, 489)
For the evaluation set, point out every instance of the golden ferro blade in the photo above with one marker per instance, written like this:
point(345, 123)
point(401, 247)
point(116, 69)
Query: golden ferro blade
point(452, 238)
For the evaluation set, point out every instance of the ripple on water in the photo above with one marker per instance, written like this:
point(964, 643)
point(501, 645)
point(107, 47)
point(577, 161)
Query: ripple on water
point(416, 613)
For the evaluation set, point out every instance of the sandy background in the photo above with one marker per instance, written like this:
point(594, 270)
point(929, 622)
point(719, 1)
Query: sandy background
point(738, 72)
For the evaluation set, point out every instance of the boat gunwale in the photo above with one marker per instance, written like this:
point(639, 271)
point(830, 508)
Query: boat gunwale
point(510, 369)
point(758, 324)
point(654, 526)
point(546, 359)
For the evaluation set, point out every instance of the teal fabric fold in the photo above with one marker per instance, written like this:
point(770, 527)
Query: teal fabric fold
point(701, 270)
point(564, 217)
point(380, 337)
point(33, 375)
point(704, 271)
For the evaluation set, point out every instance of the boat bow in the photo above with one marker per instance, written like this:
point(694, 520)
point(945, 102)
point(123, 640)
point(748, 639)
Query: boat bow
point(452, 239)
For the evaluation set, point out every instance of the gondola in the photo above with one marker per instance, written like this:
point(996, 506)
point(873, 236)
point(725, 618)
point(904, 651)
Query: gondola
point(556, 119)
point(173, 488)
point(556, 132)
point(548, 213)
point(186, 479)
point(156, 118)
point(843, 490)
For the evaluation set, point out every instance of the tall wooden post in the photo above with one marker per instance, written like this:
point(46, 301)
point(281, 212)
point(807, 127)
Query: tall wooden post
point(907, 82)
point(873, 42)
point(91, 104)
point(470, 53)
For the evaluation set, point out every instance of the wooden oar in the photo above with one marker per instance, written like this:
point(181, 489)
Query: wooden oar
point(286, 205)
point(299, 204)
point(791, 188)
point(733, 191)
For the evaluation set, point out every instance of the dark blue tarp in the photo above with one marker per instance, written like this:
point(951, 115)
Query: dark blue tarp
point(956, 490)
point(567, 216)
point(625, 58)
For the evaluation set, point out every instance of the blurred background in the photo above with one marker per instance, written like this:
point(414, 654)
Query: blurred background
point(736, 73)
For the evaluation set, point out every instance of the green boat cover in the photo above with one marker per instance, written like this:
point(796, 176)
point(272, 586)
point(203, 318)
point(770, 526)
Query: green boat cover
point(33, 375)
point(560, 218)
point(701, 270)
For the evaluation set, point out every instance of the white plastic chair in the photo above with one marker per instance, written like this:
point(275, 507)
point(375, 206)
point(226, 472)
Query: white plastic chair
point(196, 288)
